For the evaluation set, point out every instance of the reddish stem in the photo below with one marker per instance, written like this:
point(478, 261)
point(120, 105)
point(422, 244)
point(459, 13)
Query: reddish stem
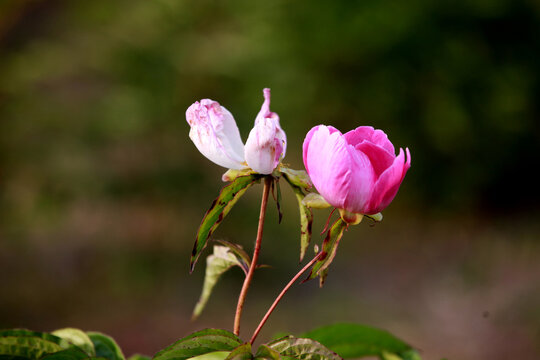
point(281, 294)
point(256, 250)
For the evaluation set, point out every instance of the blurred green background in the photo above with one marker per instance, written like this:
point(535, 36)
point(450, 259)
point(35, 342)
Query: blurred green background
point(101, 190)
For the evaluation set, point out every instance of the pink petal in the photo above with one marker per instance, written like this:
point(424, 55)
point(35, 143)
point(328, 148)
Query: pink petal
point(388, 183)
point(380, 158)
point(363, 133)
point(363, 178)
point(260, 151)
point(308, 137)
point(278, 144)
point(328, 163)
point(305, 145)
point(267, 142)
point(265, 107)
point(215, 134)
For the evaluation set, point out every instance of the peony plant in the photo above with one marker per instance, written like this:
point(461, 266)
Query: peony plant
point(358, 173)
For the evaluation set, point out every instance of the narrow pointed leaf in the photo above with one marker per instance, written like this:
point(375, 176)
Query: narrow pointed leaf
point(266, 353)
point(243, 352)
point(298, 178)
point(221, 206)
point(240, 253)
point(302, 349)
point(216, 265)
point(329, 249)
point(306, 221)
point(322, 277)
point(357, 341)
point(200, 343)
point(78, 338)
point(29, 344)
point(105, 346)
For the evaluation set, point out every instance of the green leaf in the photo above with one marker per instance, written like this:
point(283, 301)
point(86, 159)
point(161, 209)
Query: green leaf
point(12, 357)
point(300, 182)
point(329, 249)
point(30, 344)
point(356, 341)
point(78, 338)
point(68, 354)
point(302, 349)
point(105, 346)
point(221, 206)
point(306, 221)
point(199, 343)
point(410, 355)
point(240, 253)
point(216, 265)
point(218, 355)
point(297, 178)
point(242, 352)
point(139, 357)
point(266, 353)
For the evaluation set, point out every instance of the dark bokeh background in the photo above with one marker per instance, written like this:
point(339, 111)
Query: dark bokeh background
point(101, 190)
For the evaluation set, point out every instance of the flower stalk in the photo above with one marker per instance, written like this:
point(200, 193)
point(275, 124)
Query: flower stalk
point(281, 294)
point(247, 281)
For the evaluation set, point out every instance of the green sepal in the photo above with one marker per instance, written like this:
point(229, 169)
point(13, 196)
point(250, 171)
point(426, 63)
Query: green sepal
point(266, 353)
point(242, 352)
point(105, 346)
point(277, 197)
point(350, 218)
point(30, 344)
point(232, 174)
point(216, 265)
point(315, 201)
point(78, 338)
point(298, 178)
point(378, 217)
point(352, 341)
point(302, 349)
point(200, 343)
point(328, 252)
point(221, 206)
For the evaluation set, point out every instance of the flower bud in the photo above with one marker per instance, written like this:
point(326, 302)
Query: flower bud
point(357, 171)
point(267, 142)
point(215, 134)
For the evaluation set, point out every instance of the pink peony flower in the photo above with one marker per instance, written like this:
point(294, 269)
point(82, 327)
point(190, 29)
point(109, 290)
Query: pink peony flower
point(359, 171)
point(267, 143)
point(215, 134)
